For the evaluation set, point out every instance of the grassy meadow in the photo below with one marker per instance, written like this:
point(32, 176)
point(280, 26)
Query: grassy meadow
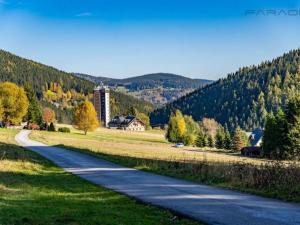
point(150, 151)
point(34, 191)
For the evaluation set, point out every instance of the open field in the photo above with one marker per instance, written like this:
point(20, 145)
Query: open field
point(149, 151)
point(34, 191)
point(147, 145)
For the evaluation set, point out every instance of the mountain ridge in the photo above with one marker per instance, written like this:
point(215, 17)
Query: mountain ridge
point(158, 88)
point(244, 97)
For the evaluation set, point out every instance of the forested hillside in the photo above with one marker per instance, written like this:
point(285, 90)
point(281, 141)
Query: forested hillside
point(242, 98)
point(158, 88)
point(59, 89)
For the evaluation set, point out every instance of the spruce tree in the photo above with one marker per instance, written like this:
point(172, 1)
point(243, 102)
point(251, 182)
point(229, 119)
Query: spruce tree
point(51, 127)
point(293, 126)
point(210, 140)
point(269, 142)
point(200, 140)
point(227, 140)
point(34, 114)
point(220, 138)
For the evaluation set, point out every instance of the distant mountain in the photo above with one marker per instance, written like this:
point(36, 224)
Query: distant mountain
point(158, 88)
point(242, 98)
point(20, 70)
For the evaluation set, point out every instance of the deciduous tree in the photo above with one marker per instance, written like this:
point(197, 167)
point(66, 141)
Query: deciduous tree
point(48, 115)
point(210, 126)
point(14, 103)
point(239, 139)
point(85, 117)
point(143, 117)
point(176, 127)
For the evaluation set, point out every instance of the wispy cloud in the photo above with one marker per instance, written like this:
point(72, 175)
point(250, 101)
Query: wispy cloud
point(84, 14)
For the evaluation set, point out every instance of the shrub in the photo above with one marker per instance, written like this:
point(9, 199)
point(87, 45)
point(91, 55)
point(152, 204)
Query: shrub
point(51, 127)
point(33, 126)
point(64, 130)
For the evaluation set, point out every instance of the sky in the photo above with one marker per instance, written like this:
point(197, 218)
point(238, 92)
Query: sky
point(124, 38)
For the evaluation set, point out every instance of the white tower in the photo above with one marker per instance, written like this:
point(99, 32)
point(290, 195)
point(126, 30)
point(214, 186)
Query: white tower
point(102, 104)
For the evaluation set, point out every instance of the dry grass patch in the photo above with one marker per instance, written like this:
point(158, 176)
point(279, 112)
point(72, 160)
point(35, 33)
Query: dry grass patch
point(148, 145)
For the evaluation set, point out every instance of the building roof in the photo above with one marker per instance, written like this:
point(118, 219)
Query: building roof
point(122, 121)
point(255, 137)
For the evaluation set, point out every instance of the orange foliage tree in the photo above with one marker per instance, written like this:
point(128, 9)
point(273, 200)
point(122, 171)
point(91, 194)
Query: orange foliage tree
point(48, 115)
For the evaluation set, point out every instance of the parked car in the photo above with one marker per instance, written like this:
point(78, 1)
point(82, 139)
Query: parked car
point(179, 145)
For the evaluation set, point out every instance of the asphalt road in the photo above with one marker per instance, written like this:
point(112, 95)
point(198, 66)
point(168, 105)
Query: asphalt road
point(201, 202)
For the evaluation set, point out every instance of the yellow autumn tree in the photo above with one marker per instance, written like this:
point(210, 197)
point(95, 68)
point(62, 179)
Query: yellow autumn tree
point(14, 103)
point(85, 117)
point(176, 127)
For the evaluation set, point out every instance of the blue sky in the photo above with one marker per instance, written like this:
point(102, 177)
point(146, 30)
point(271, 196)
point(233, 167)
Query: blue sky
point(122, 38)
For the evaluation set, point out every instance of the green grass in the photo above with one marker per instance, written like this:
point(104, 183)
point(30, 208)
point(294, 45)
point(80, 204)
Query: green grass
point(266, 178)
point(34, 191)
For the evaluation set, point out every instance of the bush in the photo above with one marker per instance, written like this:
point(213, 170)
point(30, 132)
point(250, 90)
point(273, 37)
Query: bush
point(33, 126)
point(64, 130)
point(51, 127)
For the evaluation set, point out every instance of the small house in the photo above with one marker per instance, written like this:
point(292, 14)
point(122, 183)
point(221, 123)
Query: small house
point(255, 140)
point(130, 123)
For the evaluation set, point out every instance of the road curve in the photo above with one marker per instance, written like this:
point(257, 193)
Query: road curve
point(207, 204)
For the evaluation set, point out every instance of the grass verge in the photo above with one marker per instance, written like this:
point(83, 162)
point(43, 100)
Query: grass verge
point(34, 191)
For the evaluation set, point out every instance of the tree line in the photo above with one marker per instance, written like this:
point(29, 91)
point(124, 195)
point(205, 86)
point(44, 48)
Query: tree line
point(281, 137)
point(206, 133)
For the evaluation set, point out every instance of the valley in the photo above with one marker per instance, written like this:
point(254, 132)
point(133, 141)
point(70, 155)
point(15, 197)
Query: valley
point(157, 88)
